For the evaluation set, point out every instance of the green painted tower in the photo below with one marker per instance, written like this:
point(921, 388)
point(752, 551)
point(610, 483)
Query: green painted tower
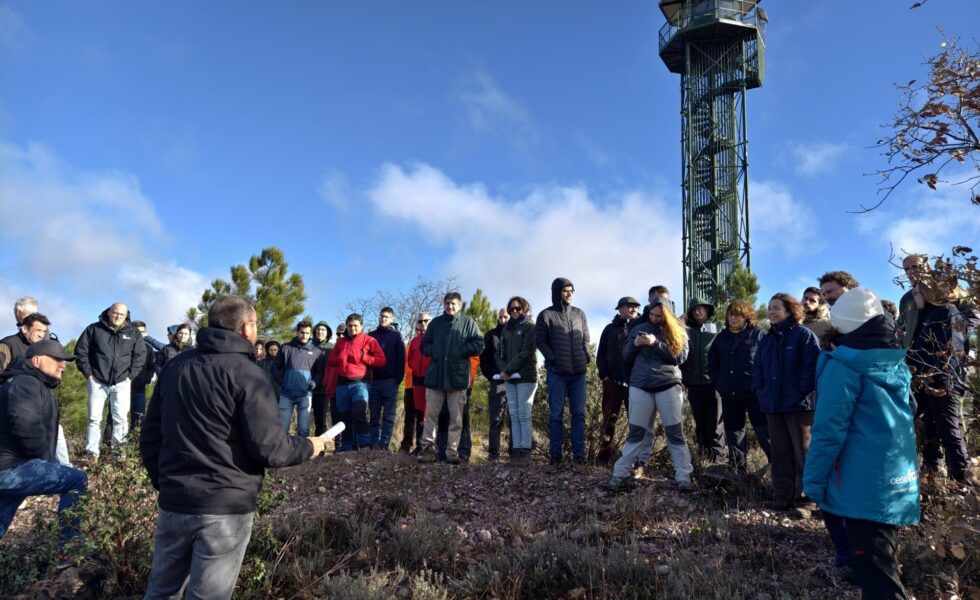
point(718, 48)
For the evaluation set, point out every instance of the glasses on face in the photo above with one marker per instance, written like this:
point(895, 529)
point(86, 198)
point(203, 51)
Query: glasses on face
point(515, 309)
point(423, 321)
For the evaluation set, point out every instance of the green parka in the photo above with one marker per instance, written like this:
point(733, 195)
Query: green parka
point(450, 341)
point(695, 369)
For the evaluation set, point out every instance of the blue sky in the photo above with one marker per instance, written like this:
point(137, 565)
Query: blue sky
point(145, 148)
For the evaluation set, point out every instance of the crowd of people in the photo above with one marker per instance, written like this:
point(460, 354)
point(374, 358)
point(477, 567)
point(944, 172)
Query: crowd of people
point(831, 388)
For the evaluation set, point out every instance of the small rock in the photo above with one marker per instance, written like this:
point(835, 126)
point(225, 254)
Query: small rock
point(434, 505)
point(663, 570)
point(576, 594)
point(576, 534)
point(403, 592)
point(484, 536)
point(321, 489)
point(800, 513)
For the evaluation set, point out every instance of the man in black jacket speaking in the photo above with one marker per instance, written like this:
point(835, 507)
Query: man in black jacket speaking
point(211, 431)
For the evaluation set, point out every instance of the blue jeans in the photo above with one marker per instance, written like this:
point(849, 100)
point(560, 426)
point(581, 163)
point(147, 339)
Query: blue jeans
point(520, 399)
point(571, 387)
point(38, 477)
point(352, 407)
point(383, 400)
point(202, 553)
point(302, 405)
point(137, 408)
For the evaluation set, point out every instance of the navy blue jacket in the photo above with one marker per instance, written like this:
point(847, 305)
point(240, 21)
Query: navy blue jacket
point(784, 374)
point(730, 361)
point(393, 346)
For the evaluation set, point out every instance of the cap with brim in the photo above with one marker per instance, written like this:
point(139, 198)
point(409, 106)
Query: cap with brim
point(627, 300)
point(49, 347)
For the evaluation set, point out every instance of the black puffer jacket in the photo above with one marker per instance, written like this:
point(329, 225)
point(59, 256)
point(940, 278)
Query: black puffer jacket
point(609, 356)
point(213, 427)
point(28, 416)
point(110, 356)
point(561, 334)
point(731, 359)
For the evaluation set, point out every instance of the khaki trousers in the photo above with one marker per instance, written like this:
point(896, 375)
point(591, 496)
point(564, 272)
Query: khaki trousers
point(456, 401)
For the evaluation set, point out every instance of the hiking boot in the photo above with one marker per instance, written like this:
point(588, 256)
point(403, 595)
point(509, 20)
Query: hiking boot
point(578, 465)
point(617, 484)
point(685, 487)
point(780, 505)
point(452, 458)
point(426, 455)
point(554, 464)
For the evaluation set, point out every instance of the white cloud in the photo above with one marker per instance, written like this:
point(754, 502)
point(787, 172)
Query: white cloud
point(491, 110)
point(817, 157)
point(89, 236)
point(14, 35)
point(924, 220)
point(508, 247)
point(333, 189)
point(779, 223)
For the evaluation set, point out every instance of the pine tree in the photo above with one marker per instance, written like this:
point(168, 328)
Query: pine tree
point(740, 284)
point(481, 311)
point(279, 296)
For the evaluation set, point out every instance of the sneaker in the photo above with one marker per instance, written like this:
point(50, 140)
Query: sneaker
point(685, 487)
point(426, 456)
point(452, 458)
point(63, 561)
point(617, 484)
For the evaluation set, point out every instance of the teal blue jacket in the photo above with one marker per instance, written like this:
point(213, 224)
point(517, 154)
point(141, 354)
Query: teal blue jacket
point(861, 462)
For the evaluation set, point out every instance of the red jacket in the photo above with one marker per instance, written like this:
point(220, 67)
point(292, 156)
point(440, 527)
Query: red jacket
point(352, 357)
point(418, 362)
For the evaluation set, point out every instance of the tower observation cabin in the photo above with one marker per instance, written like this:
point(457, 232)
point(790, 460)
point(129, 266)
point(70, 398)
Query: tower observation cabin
point(718, 48)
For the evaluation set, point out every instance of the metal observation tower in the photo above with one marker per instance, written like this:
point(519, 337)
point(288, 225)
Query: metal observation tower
point(717, 46)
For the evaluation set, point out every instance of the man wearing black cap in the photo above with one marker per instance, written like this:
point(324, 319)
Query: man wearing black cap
point(614, 373)
point(29, 436)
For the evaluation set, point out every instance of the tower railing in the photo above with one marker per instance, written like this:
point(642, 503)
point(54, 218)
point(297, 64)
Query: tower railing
point(704, 12)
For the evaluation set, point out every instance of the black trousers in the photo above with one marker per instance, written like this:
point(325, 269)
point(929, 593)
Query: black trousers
point(733, 414)
point(321, 406)
point(411, 421)
point(872, 546)
point(708, 427)
point(615, 397)
point(942, 433)
point(497, 409)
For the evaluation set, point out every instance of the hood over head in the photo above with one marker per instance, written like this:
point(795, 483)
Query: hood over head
point(556, 287)
point(329, 332)
point(695, 302)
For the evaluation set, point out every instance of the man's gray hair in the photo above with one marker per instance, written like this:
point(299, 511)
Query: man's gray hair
point(230, 312)
point(25, 305)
